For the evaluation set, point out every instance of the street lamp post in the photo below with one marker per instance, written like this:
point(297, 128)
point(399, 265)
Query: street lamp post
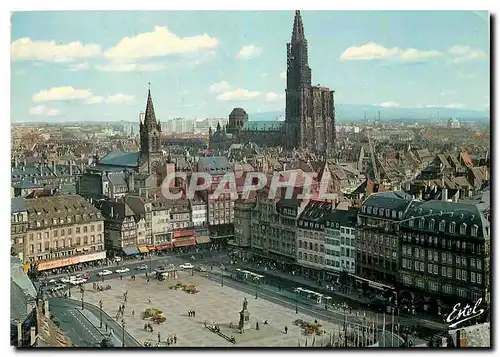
point(83, 291)
point(222, 278)
point(123, 332)
point(150, 263)
point(100, 313)
point(69, 284)
point(256, 287)
point(296, 306)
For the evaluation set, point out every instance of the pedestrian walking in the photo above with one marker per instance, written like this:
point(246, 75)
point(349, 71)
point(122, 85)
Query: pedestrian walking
point(121, 277)
point(147, 281)
point(149, 300)
point(106, 326)
point(133, 313)
point(286, 330)
point(175, 339)
point(159, 335)
point(194, 313)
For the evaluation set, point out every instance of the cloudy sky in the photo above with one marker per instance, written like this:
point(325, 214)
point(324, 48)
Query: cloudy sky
point(97, 65)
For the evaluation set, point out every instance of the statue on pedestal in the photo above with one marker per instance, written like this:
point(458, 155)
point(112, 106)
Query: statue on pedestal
point(245, 304)
point(244, 323)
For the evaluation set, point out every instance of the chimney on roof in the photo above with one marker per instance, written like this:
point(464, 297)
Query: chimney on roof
point(131, 182)
point(53, 166)
point(112, 212)
point(81, 168)
point(16, 161)
point(34, 180)
point(70, 168)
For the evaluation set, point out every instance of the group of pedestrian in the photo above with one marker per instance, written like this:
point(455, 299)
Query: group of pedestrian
point(171, 340)
point(191, 313)
point(148, 327)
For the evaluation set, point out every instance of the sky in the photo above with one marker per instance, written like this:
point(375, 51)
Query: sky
point(82, 66)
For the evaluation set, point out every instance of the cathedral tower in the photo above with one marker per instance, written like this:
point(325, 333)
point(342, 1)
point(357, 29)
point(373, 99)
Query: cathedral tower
point(310, 112)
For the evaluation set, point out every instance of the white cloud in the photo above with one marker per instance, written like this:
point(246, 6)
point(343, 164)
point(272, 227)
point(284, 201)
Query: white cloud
point(249, 51)
point(219, 87)
point(465, 53)
point(454, 106)
point(120, 99)
point(237, 95)
point(373, 51)
point(19, 72)
point(389, 105)
point(61, 93)
point(264, 75)
point(49, 51)
point(130, 67)
point(43, 110)
point(283, 75)
point(271, 96)
point(160, 42)
point(79, 67)
point(94, 100)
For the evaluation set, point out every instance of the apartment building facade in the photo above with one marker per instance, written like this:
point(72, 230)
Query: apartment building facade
point(311, 239)
point(378, 242)
point(62, 231)
point(445, 253)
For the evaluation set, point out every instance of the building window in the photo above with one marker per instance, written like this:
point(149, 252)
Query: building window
point(442, 225)
point(474, 230)
point(55, 233)
point(463, 228)
point(421, 223)
point(433, 286)
point(479, 278)
point(411, 221)
point(473, 277)
point(452, 227)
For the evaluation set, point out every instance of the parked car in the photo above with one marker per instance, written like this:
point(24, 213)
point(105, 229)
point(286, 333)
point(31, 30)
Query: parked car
point(186, 266)
point(105, 272)
point(78, 281)
point(57, 288)
point(142, 267)
point(201, 269)
point(122, 270)
point(83, 276)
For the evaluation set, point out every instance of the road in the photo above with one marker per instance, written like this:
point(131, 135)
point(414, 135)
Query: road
point(82, 326)
point(74, 324)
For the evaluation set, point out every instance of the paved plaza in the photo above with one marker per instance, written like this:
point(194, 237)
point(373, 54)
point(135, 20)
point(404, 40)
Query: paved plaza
point(212, 303)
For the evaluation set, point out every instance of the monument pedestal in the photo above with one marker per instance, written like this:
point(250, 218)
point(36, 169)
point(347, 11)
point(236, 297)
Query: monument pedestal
point(244, 323)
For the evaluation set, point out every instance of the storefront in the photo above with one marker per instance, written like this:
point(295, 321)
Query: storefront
point(130, 251)
point(184, 239)
point(60, 263)
point(203, 240)
point(143, 249)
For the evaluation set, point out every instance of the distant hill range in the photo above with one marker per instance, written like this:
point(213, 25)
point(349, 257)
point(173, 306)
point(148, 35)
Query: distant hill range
point(356, 112)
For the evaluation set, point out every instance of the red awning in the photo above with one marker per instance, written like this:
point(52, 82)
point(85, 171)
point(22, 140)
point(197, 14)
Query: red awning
point(164, 246)
point(184, 243)
point(188, 233)
point(151, 247)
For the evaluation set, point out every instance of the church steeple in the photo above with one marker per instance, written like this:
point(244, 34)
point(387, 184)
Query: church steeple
point(150, 129)
point(149, 116)
point(298, 28)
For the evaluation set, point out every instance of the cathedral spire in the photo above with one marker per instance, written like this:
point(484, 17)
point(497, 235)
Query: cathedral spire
point(298, 28)
point(149, 116)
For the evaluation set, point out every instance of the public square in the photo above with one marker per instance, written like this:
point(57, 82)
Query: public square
point(212, 303)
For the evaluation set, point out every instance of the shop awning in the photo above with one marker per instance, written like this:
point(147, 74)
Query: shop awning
point(186, 233)
point(164, 246)
point(184, 243)
point(130, 250)
point(202, 239)
point(151, 247)
point(143, 249)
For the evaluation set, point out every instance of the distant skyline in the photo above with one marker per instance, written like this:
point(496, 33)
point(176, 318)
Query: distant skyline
point(79, 66)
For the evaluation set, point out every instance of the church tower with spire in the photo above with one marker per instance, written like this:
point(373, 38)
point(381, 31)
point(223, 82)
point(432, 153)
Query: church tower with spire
point(150, 130)
point(310, 112)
